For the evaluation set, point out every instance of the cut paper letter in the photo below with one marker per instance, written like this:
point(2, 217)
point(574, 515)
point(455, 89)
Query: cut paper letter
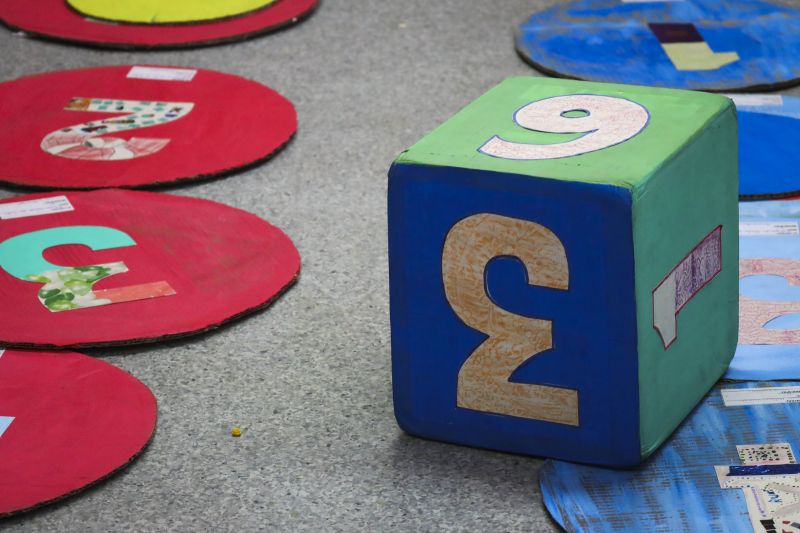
point(68, 288)
point(86, 141)
point(686, 48)
point(693, 273)
point(756, 314)
point(604, 121)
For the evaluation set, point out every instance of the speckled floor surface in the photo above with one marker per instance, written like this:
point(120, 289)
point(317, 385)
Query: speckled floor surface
point(309, 379)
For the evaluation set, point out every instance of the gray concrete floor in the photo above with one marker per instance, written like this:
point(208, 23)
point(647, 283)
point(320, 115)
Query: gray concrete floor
point(309, 379)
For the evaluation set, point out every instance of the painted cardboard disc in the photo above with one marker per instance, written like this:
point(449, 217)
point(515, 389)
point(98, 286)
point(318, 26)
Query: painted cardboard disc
point(134, 126)
point(702, 44)
point(158, 12)
point(727, 468)
point(121, 267)
point(769, 134)
point(66, 422)
point(62, 23)
point(769, 292)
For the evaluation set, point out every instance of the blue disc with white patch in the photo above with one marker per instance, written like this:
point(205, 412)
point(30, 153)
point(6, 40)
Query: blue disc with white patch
point(714, 45)
point(732, 464)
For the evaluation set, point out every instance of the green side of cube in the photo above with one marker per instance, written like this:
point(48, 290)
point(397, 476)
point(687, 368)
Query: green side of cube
point(684, 200)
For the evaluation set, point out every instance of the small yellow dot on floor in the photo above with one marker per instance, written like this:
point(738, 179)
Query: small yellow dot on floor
point(236, 432)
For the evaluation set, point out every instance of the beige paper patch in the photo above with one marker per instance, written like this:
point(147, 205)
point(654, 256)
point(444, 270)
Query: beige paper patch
point(697, 56)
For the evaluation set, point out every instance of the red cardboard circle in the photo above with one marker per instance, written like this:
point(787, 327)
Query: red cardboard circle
point(128, 267)
point(53, 19)
point(77, 129)
point(66, 422)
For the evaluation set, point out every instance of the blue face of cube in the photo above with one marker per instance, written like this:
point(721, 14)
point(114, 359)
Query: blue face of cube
point(592, 364)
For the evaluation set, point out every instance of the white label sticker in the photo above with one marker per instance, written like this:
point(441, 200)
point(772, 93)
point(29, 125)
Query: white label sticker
point(756, 100)
point(747, 229)
point(760, 396)
point(5, 421)
point(162, 73)
point(766, 454)
point(31, 208)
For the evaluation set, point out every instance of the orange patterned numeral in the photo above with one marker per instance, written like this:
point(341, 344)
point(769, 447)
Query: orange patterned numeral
point(483, 380)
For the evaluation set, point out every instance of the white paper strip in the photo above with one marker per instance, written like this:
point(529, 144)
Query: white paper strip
point(760, 396)
point(162, 73)
point(31, 208)
point(756, 100)
point(747, 229)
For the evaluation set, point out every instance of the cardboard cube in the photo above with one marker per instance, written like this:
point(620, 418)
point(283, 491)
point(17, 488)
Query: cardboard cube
point(563, 268)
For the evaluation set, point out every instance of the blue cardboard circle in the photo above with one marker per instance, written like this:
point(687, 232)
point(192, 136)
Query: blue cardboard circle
point(677, 488)
point(612, 41)
point(769, 137)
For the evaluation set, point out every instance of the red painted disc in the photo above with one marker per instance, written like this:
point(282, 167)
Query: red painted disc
point(53, 19)
point(121, 267)
point(133, 126)
point(66, 422)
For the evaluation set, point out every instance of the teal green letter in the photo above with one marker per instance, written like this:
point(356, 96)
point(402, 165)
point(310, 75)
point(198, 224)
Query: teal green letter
point(21, 256)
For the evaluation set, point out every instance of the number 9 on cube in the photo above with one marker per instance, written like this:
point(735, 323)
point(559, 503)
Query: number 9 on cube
point(563, 268)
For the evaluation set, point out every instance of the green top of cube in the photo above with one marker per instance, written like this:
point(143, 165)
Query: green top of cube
point(570, 130)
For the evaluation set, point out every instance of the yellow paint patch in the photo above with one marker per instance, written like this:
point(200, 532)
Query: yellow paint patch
point(697, 56)
point(160, 12)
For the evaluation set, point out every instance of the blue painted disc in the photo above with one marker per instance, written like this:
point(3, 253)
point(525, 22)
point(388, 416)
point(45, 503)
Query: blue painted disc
point(677, 488)
point(624, 42)
point(769, 137)
point(770, 235)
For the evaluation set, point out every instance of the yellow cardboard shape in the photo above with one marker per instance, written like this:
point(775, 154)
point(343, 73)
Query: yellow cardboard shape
point(697, 56)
